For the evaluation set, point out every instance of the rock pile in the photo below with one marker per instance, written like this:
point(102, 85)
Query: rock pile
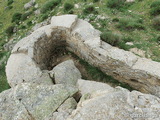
point(73, 98)
point(33, 54)
point(40, 93)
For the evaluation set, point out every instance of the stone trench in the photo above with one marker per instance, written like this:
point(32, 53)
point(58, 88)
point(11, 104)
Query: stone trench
point(32, 70)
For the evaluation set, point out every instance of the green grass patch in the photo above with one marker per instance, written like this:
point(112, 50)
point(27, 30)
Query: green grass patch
point(49, 5)
point(3, 80)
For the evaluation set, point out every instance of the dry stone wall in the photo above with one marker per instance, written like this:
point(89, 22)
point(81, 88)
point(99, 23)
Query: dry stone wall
point(83, 40)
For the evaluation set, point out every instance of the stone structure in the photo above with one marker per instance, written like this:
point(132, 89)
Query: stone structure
point(83, 40)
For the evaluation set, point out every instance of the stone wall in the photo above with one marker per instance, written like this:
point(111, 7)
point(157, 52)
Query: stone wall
point(82, 39)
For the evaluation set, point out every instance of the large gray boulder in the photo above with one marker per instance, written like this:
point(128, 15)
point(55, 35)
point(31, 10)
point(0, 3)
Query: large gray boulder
point(66, 73)
point(21, 68)
point(11, 108)
point(29, 4)
point(34, 102)
point(118, 104)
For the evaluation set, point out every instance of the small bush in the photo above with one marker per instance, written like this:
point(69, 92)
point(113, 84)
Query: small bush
point(155, 11)
point(22, 27)
point(156, 22)
point(16, 17)
point(68, 6)
point(156, 39)
point(43, 17)
point(155, 4)
point(29, 23)
point(10, 30)
point(10, 7)
point(130, 24)
point(90, 9)
point(49, 5)
point(10, 2)
point(25, 15)
point(110, 38)
point(116, 3)
point(155, 8)
point(115, 20)
point(95, 0)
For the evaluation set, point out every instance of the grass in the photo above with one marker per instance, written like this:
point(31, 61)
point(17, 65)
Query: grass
point(3, 80)
point(133, 23)
point(98, 75)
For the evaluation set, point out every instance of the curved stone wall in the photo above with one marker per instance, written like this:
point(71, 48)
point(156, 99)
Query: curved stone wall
point(32, 55)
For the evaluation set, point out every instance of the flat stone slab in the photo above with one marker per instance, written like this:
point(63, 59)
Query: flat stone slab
point(64, 21)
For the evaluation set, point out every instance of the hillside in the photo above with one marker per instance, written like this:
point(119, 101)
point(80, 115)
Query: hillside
point(136, 23)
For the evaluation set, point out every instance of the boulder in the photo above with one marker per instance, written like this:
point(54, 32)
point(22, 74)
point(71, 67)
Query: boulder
point(11, 108)
point(35, 102)
point(64, 21)
point(42, 100)
point(119, 104)
point(21, 68)
point(66, 73)
point(29, 4)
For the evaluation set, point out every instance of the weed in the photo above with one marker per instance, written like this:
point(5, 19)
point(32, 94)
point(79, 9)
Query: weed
point(156, 22)
point(130, 24)
point(68, 6)
point(110, 38)
point(49, 5)
point(43, 17)
point(10, 2)
point(155, 8)
point(10, 30)
point(16, 17)
point(95, 0)
point(90, 9)
point(117, 4)
point(3, 80)
point(25, 15)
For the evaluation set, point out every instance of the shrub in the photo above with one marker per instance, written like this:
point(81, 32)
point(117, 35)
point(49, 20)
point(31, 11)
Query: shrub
point(49, 5)
point(22, 27)
point(10, 2)
point(10, 7)
point(130, 24)
point(156, 22)
point(90, 9)
point(10, 30)
point(95, 0)
point(156, 39)
point(43, 17)
point(16, 17)
point(155, 11)
point(116, 3)
point(68, 6)
point(155, 8)
point(25, 15)
point(155, 4)
point(115, 20)
point(110, 38)
point(29, 23)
